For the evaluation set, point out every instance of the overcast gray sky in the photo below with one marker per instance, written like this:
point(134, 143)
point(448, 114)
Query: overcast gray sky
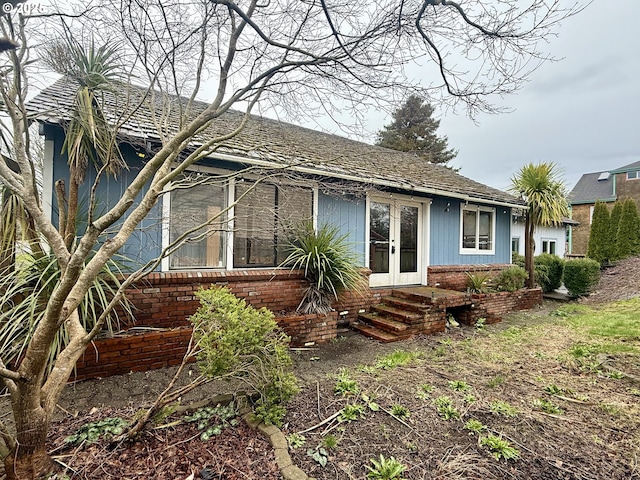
point(581, 113)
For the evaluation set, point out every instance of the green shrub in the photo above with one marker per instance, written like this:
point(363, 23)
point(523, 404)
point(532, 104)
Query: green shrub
point(600, 245)
point(517, 259)
point(581, 275)
point(554, 271)
point(628, 235)
point(238, 340)
point(512, 278)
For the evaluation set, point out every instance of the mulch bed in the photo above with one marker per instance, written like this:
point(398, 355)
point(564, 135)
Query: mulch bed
point(169, 453)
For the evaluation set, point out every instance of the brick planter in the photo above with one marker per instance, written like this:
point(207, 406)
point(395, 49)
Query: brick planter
point(493, 306)
point(310, 329)
point(136, 352)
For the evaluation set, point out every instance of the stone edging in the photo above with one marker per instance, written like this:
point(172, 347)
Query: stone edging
point(281, 449)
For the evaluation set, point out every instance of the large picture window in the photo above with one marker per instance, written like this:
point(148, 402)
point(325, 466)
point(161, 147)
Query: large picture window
point(264, 218)
point(477, 229)
point(201, 205)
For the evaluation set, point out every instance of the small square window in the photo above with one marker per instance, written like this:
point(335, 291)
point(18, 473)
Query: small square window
point(632, 175)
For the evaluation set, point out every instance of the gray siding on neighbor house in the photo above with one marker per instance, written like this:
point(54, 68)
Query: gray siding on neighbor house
point(145, 242)
point(349, 214)
point(445, 235)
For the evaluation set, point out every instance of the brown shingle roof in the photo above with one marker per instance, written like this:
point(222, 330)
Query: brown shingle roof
point(267, 140)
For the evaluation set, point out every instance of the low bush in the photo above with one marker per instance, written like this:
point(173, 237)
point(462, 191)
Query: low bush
point(237, 340)
point(511, 278)
point(581, 275)
point(554, 271)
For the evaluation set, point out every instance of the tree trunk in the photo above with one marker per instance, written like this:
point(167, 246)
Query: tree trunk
point(29, 459)
point(529, 249)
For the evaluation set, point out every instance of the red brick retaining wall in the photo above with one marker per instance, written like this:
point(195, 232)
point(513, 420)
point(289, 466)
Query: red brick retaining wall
point(166, 300)
point(454, 277)
point(493, 306)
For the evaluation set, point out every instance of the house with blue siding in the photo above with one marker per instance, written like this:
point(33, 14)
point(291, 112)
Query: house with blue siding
point(401, 213)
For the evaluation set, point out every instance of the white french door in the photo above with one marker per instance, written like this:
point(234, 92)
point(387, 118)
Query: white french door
point(395, 242)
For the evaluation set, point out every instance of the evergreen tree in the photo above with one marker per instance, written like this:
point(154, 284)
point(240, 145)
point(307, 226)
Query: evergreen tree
point(599, 244)
point(614, 223)
point(414, 130)
point(628, 238)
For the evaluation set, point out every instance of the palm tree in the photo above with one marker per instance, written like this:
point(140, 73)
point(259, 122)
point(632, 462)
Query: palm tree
point(88, 135)
point(539, 185)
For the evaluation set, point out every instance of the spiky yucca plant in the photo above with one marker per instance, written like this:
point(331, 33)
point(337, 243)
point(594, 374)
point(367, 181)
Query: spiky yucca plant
point(329, 265)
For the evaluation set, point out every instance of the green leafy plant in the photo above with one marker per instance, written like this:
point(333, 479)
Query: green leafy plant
point(474, 426)
point(296, 440)
point(397, 358)
point(547, 406)
point(329, 442)
point(351, 412)
point(496, 381)
point(328, 263)
point(213, 420)
point(446, 408)
point(386, 469)
point(424, 391)
point(345, 386)
point(319, 454)
point(480, 323)
point(235, 338)
point(477, 282)
point(499, 447)
point(500, 407)
point(400, 411)
point(511, 278)
point(458, 386)
point(93, 431)
point(373, 406)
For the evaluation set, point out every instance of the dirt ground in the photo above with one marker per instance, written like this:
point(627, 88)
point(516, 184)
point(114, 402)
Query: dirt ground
point(521, 362)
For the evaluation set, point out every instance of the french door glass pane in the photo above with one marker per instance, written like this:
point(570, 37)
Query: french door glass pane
point(379, 221)
point(408, 239)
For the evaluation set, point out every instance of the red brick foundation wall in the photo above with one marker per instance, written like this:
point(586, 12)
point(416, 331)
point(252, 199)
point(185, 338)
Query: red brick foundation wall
point(454, 277)
point(166, 300)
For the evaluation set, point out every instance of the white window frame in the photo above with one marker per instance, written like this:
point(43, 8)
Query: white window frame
point(635, 173)
point(166, 215)
point(477, 208)
point(549, 241)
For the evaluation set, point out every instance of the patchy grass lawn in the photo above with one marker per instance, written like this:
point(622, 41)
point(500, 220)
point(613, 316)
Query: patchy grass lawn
point(540, 396)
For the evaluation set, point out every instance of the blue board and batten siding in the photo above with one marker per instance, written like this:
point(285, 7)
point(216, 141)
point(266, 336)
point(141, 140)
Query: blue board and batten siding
point(349, 215)
point(146, 241)
point(445, 235)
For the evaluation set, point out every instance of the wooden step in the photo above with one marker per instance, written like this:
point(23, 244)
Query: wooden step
point(405, 304)
point(377, 334)
point(383, 323)
point(401, 315)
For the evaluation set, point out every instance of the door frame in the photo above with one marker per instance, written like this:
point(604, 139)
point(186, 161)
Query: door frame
point(395, 277)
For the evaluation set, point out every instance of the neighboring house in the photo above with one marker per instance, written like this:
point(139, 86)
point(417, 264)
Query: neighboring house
point(551, 239)
point(402, 214)
point(607, 186)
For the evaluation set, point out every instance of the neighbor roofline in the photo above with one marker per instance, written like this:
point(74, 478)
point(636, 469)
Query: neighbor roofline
point(584, 202)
